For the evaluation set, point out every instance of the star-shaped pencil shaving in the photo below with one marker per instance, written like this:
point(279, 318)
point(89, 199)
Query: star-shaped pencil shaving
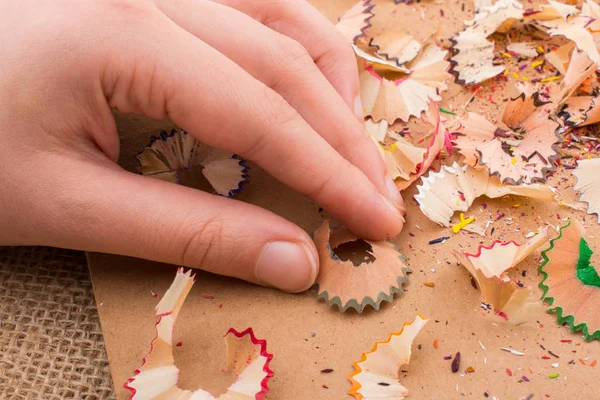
point(454, 188)
point(376, 375)
point(175, 156)
point(158, 376)
point(345, 285)
point(406, 162)
point(523, 155)
point(488, 267)
point(588, 183)
point(526, 153)
point(404, 96)
point(472, 61)
point(396, 46)
point(571, 283)
point(356, 20)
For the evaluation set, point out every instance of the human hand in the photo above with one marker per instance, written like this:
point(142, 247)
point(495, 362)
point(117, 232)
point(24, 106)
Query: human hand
point(271, 81)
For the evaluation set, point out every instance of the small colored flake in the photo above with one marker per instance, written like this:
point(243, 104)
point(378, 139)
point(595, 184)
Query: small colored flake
point(442, 109)
point(470, 370)
point(429, 284)
point(463, 223)
point(508, 371)
point(553, 376)
point(552, 78)
point(593, 363)
point(456, 362)
point(435, 343)
point(439, 240)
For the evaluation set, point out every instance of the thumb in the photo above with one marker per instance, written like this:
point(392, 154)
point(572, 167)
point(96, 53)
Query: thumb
point(137, 216)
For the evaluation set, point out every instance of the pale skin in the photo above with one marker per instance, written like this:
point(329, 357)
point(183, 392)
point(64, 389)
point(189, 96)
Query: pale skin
point(270, 80)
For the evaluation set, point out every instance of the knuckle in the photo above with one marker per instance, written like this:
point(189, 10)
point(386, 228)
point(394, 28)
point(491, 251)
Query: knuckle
point(275, 116)
point(138, 8)
point(294, 50)
point(282, 115)
point(202, 245)
point(274, 11)
point(320, 185)
point(338, 60)
point(289, 58)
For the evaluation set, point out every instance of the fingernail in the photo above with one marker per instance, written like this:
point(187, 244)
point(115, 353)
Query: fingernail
point(358, 108)
point(289, 266)
point(395, 195)
point(397, 212)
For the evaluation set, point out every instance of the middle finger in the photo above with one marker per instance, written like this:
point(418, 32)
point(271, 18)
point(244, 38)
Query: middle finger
point(286, 67)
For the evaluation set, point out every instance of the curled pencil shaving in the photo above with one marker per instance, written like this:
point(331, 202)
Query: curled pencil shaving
point(172, 155)
point(410, 94)
point(345, 285)
point(455, 188)
point(488, 267)
point(376, 375)
point(406, 162)
point(158, 376)
point(570, 283)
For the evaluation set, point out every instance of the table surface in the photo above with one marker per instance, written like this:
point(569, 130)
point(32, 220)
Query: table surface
point(51, 345)
point(306, 337)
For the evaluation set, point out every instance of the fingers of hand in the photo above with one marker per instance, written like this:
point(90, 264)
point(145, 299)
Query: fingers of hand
point(168, 71)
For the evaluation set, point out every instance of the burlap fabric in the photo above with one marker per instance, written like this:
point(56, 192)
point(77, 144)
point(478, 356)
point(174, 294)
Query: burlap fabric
point(51, 345)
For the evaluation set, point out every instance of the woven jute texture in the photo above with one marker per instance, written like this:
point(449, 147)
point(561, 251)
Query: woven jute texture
point(51, 345)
